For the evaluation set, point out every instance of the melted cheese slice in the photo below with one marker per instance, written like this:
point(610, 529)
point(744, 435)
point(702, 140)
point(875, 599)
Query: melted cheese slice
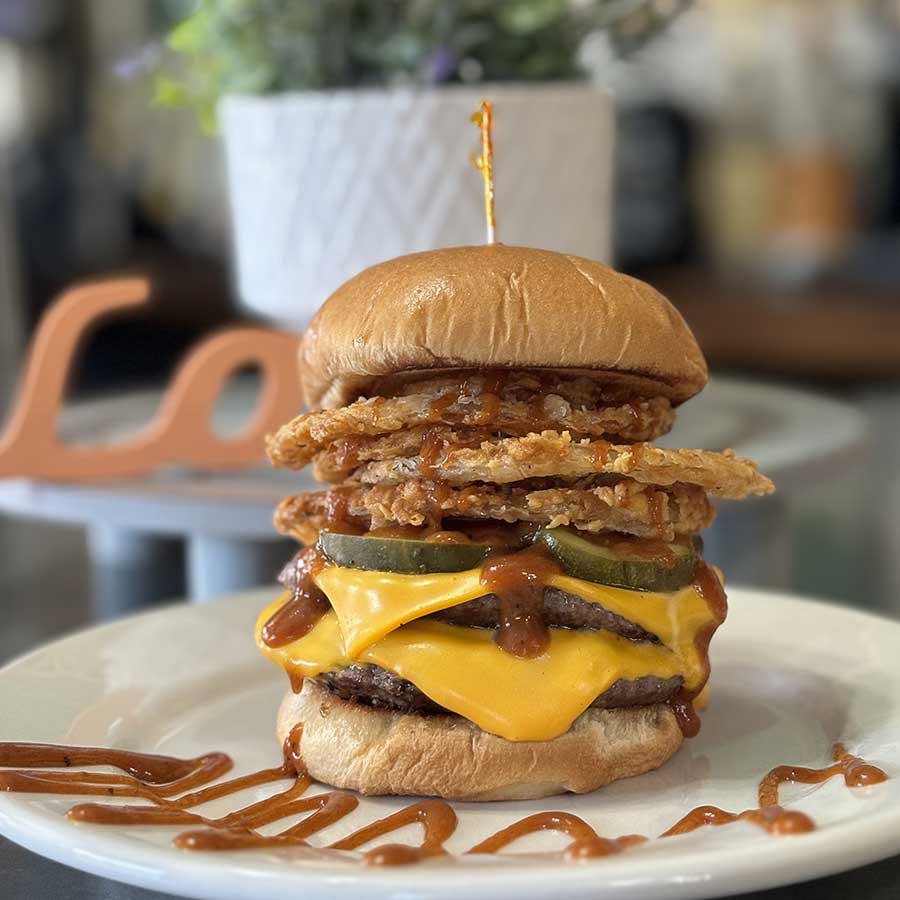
point(370, 605)
point(374, 620)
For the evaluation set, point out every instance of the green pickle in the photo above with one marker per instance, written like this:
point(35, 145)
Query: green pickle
point(614, 565)
point(401, 555)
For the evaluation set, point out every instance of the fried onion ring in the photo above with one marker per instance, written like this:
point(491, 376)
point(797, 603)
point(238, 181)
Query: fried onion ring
point(628, 507)
point(344, 455)
point(551, 454)
point(295, 444)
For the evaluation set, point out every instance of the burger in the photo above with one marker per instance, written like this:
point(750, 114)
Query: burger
point(501, 592)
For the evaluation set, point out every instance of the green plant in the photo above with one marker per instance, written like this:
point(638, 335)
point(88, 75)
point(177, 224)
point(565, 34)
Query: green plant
point(270, 46)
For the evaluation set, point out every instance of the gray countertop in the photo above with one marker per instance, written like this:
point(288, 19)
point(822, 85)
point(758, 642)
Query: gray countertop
point(49, 564)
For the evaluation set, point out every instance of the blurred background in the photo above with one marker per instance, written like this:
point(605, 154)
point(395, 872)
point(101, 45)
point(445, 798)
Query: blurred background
point(747, 164)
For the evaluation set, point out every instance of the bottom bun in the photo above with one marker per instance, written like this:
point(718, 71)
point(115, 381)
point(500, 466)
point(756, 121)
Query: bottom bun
point(375, 751)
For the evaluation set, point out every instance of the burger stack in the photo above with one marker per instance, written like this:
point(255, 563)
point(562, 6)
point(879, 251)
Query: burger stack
point(500, 591)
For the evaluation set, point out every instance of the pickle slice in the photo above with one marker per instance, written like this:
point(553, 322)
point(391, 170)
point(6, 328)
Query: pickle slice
point(581, 557)
point(401, 555)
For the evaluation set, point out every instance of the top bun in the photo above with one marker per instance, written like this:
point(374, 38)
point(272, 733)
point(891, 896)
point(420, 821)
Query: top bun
point(493, 306)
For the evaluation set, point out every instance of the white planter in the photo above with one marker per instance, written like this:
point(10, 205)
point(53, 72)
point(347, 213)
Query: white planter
point(323, 184)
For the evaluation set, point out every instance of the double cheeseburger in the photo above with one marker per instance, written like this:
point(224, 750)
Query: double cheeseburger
point(502, 594)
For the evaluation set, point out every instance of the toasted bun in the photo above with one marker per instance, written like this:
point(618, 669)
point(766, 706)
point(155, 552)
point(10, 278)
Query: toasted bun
point(374, 751)
point(496, 306)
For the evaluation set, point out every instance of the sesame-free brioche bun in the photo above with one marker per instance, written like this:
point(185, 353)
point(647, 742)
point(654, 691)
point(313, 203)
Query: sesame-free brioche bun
point(493, 306)
point(375, 751)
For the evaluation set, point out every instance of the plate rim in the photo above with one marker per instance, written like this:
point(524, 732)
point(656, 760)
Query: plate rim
point(155, 867)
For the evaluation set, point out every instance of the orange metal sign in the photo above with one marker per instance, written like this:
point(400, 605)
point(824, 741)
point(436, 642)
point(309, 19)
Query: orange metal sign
point(181, 432)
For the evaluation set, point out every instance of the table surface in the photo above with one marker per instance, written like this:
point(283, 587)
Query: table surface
point(795, 436)
point(29, 551)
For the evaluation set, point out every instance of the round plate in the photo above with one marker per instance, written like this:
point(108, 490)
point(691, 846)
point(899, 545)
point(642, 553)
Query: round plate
point(789, 678)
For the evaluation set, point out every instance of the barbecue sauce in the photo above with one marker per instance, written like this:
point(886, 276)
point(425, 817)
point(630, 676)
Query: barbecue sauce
point(167, 774)
point(518, 580)
point(337, 511)
point(438, 408)
point(347, 452)
point(438, 821)
point(174, 787)
point(707, 583)
point(586, 842)
point(488, 397)
point(773, 819)
point(437, 493)
point(306, 606)
point(857, 773)
point(537, 414)
point(431, 453)
point(600, 453)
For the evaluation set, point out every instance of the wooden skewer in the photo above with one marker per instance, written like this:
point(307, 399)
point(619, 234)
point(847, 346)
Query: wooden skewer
point(484, 119)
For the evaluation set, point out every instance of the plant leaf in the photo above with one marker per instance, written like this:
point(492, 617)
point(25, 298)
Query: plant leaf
point(168, 92)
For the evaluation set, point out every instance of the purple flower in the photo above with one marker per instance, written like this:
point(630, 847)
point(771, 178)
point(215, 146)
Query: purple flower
point(439, 66)
point(139, 62)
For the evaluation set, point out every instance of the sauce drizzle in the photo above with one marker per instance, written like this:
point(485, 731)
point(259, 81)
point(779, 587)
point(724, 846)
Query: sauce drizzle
point(306, 606)
point(586, 843)
point(158, 779)
point(518, 581)
point(857, 773)
point(710, 589)
point(438, 821)
point(432, 453)
point(773, 819)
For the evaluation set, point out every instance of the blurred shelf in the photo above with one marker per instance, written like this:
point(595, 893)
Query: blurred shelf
point(834, 333)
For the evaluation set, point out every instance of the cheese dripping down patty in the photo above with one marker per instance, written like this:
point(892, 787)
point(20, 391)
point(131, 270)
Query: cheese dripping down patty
point(377, 618)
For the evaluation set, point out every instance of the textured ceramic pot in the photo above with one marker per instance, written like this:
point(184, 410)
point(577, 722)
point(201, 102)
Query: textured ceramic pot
point(323, 184)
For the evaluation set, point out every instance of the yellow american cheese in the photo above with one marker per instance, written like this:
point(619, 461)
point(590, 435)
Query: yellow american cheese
point(369, 605)
point(377, 618)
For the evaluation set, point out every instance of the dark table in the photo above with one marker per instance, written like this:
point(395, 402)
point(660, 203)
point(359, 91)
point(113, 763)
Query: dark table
point(46, 589)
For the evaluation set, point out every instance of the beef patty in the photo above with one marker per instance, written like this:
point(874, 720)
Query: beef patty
point(380, 688)
point(561, 610)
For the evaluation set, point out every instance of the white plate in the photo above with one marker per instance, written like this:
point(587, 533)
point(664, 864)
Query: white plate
point(789, 678)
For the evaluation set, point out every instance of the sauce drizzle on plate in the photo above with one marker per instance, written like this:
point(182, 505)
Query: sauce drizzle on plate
point(173, 787)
